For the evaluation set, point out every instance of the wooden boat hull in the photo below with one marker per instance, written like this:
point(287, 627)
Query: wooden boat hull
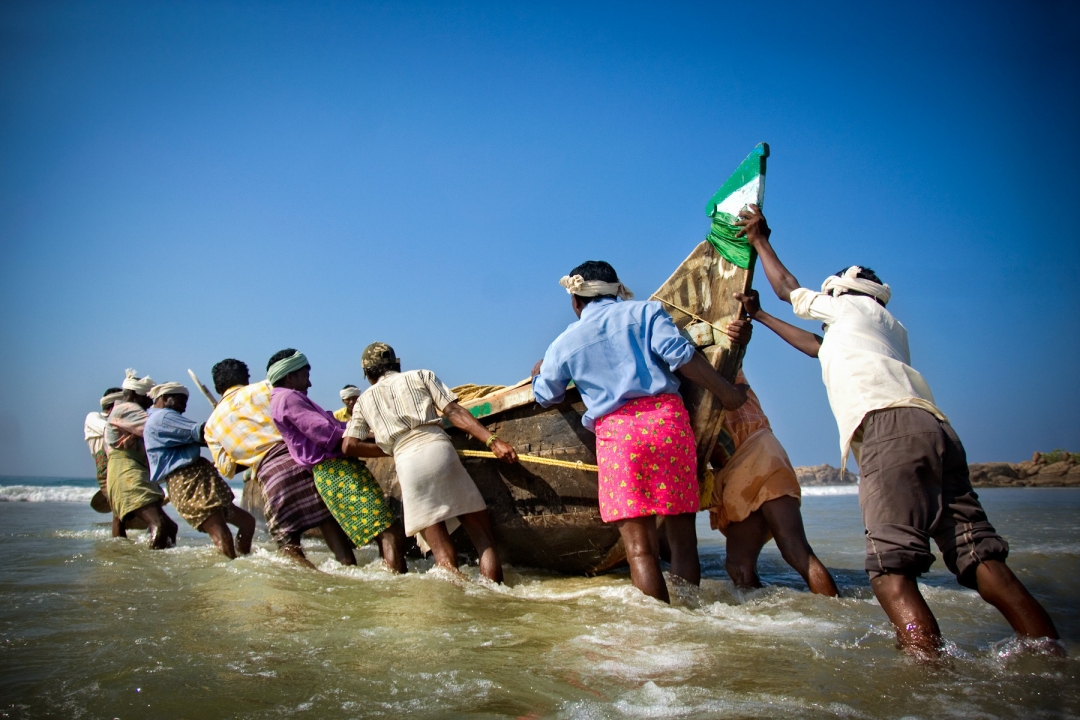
point(543, 516)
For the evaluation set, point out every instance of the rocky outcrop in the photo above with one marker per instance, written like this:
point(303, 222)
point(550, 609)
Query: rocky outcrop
point(1056, 469)
point(824, 475)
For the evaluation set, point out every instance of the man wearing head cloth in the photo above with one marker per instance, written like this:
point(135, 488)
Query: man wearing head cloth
point(313, 437)
point(404, 411)
point(94, 434)
point(348, 394)
point(128, 483)
point(915, 482)
point(200, 496)
point(622, 356)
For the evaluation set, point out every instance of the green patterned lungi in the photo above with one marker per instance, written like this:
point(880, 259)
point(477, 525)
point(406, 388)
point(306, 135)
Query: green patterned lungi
point(354, 498)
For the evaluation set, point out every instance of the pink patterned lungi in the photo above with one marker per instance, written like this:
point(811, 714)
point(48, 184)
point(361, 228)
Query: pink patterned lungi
point(648, 464)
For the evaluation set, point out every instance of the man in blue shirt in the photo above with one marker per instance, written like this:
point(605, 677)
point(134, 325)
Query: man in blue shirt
point(200, 496)
point(622, 356)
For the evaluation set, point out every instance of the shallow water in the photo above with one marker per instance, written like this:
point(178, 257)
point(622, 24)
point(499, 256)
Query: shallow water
point(96, 627)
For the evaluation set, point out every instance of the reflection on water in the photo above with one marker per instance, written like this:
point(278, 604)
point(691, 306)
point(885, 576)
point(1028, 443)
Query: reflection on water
point(95, 627)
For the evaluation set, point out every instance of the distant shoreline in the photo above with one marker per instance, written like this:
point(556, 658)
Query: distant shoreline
point(1037, 472)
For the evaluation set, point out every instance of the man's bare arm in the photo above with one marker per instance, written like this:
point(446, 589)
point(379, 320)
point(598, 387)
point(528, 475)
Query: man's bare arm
point(360, 448)
point(797, 338)
point(757, 233)
point(699, 371)
point(463, 420)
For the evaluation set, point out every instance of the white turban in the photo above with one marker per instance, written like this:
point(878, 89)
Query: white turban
point(349, 392)
point(111, 399)
point(850, 280)
point(140, 385)
point(577, 285)
point(169, 388)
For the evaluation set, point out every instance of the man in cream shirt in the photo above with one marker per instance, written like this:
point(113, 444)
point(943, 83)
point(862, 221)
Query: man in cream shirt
point(915, 483)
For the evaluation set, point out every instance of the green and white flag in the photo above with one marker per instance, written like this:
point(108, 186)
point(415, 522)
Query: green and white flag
point(746, 185)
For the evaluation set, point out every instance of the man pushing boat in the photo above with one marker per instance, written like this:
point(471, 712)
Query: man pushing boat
point(241, 434)
point(402, 410)
point(314, 437)
point(196, 490)
point(915, 482)
point(622, 356)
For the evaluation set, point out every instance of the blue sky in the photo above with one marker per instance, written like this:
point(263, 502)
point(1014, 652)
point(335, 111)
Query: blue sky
point(185, 182)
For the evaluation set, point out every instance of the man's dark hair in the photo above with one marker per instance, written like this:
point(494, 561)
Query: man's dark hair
point(110, 391)
point(595, 270)
point(229, 373)
point(377, 371)
point(349, 386)
point(280, 355)
point(865, 273)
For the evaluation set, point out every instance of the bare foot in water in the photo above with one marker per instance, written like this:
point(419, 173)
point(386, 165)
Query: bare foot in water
point(296, 554)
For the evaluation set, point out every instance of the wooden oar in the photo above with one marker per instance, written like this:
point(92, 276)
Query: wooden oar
point(202, 388)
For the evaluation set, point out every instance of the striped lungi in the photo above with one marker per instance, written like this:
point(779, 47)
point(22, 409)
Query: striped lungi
point(292, 504)
point(354, 498)
point(197, 492)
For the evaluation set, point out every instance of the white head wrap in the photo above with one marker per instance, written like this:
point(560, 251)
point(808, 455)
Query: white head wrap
point(169, 388)
point(850, 280)
point(111, 399)
point(349, 392)
point(577, 285)
point(140, 385)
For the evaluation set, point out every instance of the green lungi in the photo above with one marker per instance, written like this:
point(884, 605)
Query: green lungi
point(354, 498)
point(129, 483)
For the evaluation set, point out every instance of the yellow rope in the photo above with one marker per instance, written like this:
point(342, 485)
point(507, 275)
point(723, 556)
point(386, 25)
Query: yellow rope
point(687, 312)
point(572, 464)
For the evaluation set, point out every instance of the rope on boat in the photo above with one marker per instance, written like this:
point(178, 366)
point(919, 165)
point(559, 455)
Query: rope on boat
point(535, 459)
point(687, 312)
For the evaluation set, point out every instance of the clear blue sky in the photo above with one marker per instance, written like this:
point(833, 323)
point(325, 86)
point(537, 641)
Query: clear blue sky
point(185, 182)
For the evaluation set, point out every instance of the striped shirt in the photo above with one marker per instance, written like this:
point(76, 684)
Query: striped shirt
point(240, 431)
point(396, 404)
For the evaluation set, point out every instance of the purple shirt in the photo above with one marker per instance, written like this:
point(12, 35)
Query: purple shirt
point(311, 433)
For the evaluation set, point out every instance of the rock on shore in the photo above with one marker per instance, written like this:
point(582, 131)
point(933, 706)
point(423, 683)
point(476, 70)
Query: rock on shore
point(815, 475)
point(1055, 469)
point(1049, 470)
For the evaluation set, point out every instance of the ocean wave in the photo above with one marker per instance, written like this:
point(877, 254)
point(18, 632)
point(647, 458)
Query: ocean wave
point(830, 490)
point(36, 493)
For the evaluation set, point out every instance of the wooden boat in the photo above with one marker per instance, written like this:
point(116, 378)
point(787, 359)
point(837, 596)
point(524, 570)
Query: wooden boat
point(548, 516)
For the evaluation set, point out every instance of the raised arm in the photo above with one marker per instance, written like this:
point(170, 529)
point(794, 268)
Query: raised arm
point(699, 370)
point(797, 338)
point(757, 233)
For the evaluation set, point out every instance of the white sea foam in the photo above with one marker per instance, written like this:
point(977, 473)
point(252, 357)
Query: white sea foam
point(36, 493)
point(818, 490)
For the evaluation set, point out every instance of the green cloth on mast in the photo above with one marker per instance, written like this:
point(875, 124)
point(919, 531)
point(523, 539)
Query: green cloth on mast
point(746, 185)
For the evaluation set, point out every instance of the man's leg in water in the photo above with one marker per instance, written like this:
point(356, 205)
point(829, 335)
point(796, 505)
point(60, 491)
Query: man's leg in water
point(245, 528)
point(744, 542)
point(682, 537)
point(218, 530)
point(643, 555)
point(291, 549)
point(917, 630)
point(998, 586)
point(392, 547)
point(442, 547)
point(118, 529)
point(785, 522)
point(478, 526)
point(162, 529)
point(338, 542)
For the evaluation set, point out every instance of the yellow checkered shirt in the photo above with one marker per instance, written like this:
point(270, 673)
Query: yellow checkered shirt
point(240, 430)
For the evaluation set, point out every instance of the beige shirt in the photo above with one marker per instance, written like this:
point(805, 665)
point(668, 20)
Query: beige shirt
point(94, 432)
point(865, 361)
point(396, 404)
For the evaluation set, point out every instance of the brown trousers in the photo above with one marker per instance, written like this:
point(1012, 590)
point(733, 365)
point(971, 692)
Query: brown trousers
point(914, 487)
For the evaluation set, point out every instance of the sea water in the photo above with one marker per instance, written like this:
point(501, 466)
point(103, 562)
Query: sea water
point(92, 626)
